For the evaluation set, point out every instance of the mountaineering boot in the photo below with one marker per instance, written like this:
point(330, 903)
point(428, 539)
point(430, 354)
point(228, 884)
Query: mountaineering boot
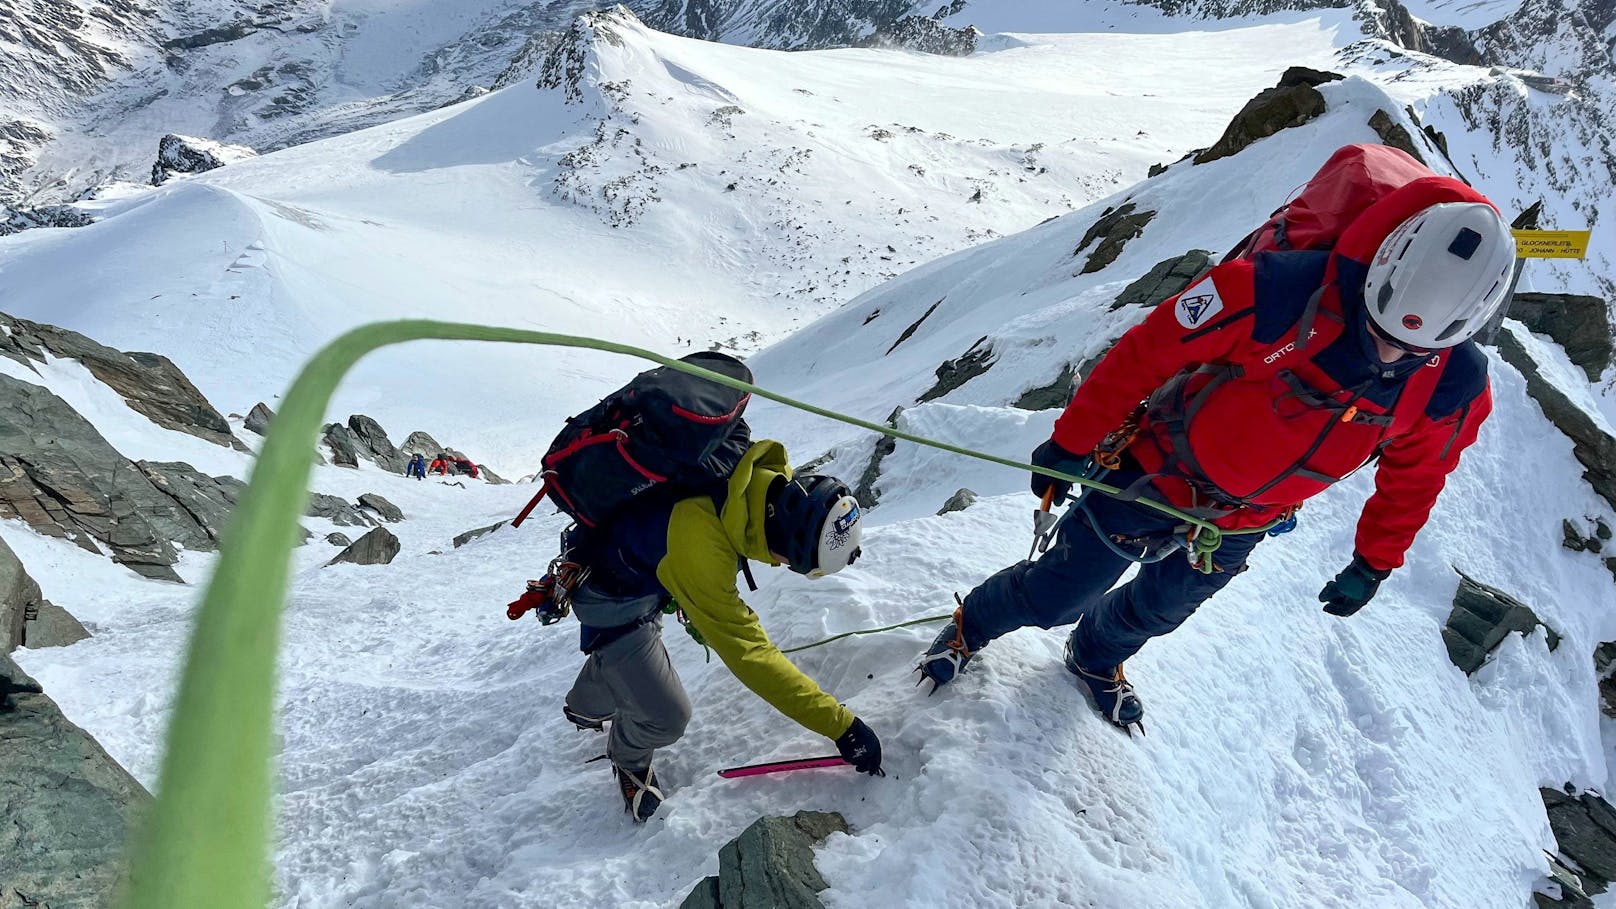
point(641, 797)
point(584, 722)
point(948, 655)
point(1110, 693)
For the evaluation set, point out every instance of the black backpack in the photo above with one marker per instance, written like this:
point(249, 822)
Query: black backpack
point(663, 436)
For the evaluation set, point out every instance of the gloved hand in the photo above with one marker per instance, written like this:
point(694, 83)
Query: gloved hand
point(1054, 457)
point(1352, 588)
point(861, 748)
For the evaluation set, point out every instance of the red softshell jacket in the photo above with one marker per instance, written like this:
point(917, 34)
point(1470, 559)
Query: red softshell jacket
point(1250, 431)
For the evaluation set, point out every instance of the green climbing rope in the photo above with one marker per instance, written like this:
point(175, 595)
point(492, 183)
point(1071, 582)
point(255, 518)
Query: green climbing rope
point(207, 839)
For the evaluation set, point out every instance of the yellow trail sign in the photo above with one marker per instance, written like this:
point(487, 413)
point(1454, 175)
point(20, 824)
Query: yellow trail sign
point(1551, 244)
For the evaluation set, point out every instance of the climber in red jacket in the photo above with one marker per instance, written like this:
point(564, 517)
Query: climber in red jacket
point(1256, 388)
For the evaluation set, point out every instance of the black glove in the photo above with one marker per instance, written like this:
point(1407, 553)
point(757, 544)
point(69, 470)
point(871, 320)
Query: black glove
point(1054, 457)
point(1352, 588)
point(861, 748)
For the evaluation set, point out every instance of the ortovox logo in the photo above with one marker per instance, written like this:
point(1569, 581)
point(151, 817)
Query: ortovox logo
point(1288, 348)
point(1196, 308)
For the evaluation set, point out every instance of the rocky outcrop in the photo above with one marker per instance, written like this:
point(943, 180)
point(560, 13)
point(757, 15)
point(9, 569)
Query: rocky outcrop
point(925, 35)
point(341, 444)
point(563, 68)
point(491, 478)
point(337, 510)
point(177, 154)
point(866, 493)
point(771, 864)
point(423, 444)
point(17, 220)
point(1056, 394)
point(52, 626)
point(68, 807)
point(208, 500)
point(1392, 133)
point(1584, 827)
point(1605, 666)
point(19, 598)
point(480, 532)
point(977, 360)
point(373, 444)
point(338, 539)
point(1113, 230)
point(1482, 617)
point(379, 506)
point(1293, 102)
point(1579, 324)
point(1594, 448)
point(379, 547)
point(1165, 278)
point(58, 475)
point(258, 419)
point(149, 383)
point(959, 501)
point(1577, 540)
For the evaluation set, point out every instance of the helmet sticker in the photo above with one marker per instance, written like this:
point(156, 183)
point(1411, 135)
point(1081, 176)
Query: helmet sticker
point(1413, 322)
point(1198, 304)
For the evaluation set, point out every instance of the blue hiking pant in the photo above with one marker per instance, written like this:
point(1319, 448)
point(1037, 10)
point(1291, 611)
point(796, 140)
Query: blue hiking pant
point(1071, 582)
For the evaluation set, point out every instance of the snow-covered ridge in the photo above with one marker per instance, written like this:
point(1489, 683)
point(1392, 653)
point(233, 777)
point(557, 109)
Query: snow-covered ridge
point(1293, 759)
point(694, 193)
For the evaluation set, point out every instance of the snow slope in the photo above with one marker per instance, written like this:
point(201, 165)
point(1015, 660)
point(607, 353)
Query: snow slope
point(1293, 758)
point(680, 193)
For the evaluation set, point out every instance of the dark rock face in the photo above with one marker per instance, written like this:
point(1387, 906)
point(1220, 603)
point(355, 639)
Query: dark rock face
point(1056, 394)
point(178, 154)
point(959, 501)
point(19, 598)
point(17, 220)
point(1585, 828)
point(1114, 229)
point(464, 538)
point(1592, 446)
point(1293, 102)
point(866, 493)
point(1392, 133)
point(379, 547)
point(423, 444)
point(208, 500)
point(1605, 665)
point(491, 478)
point(52, 626)
point(374, 445)
point(914, 326)
point(954, 373)
point(336, 510)
point(258, 419)
point(1165, 279)
point(342, 444)
point(771, 864)
point(1482, 617)
point(384, 509)
point(1580, 324)
point(149, 383)
point(64, 480)
point(926, 36)
point(69, 807)
point(338, 539)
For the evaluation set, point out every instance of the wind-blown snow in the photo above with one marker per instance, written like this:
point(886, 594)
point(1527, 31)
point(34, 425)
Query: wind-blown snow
point(1293, 758)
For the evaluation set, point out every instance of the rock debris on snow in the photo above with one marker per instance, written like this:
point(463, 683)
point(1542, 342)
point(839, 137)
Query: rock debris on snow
point(378, 547)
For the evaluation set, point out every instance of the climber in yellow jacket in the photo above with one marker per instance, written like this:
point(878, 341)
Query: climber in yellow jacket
point(691, 553)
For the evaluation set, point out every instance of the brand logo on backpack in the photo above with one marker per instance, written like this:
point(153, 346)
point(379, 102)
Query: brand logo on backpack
point(1196, 308)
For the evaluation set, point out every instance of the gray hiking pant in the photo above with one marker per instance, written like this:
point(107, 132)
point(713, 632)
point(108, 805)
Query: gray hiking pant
point(632, 683)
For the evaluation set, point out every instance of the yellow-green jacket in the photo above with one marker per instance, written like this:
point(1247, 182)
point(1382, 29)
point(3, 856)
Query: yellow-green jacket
point(699, 569)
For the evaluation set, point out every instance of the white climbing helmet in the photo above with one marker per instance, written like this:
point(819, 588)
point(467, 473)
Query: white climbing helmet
point(1441, 275)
